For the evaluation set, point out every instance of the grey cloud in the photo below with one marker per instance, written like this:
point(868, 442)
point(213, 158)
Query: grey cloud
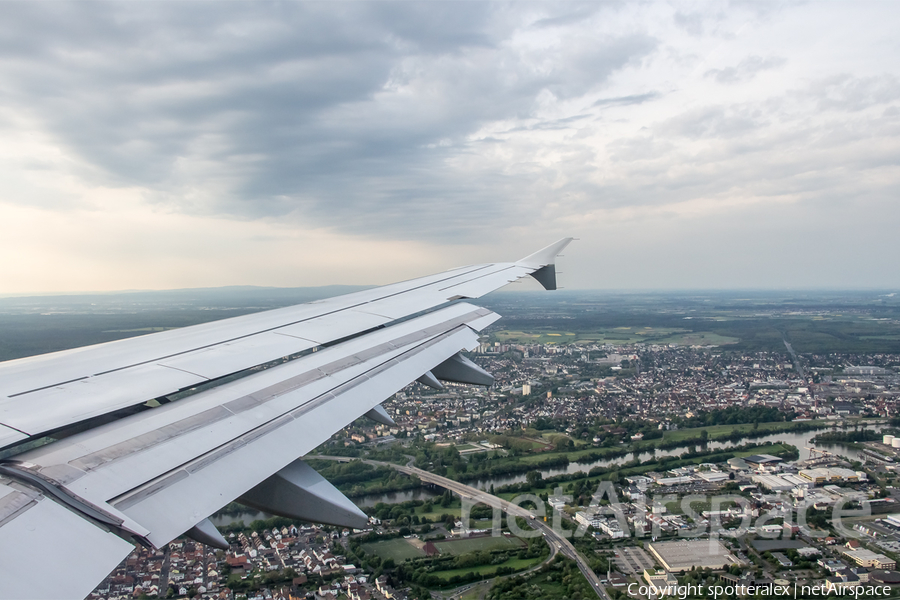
point(744, 156)
point(848, 93)
point(377, 120)
point(712, 122)
point(293, 109)
point(628, 100)
point(552, 124)
point(746, 70)
point(692, 22)
point(577, 13)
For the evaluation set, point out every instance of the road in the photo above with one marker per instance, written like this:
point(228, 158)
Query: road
point(553, 538)
point(795, 358)
point(556, 541)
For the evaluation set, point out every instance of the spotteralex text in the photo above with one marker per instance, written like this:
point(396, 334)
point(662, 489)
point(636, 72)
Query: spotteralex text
point(790, 591)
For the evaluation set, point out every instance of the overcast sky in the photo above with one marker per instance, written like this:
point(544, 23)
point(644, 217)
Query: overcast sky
point(686, 144)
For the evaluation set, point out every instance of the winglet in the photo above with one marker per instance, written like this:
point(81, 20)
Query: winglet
point(543, 261)
point(545, 256)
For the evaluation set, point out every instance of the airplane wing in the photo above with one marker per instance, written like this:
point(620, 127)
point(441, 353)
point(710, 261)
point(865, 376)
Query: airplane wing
point(138, 441)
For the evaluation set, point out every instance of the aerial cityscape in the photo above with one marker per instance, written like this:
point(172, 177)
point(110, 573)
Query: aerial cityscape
point(408, 300)
point(603, 461)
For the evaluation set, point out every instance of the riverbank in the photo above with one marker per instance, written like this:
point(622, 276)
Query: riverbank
point(513, 470)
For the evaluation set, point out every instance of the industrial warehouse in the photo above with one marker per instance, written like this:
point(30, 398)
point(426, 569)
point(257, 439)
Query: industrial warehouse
point(684, 555)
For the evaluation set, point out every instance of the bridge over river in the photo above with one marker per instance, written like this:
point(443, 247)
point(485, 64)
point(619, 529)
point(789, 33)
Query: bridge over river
point(555, 539)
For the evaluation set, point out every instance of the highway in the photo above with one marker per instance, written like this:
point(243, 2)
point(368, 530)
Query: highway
point(556, 541)
point(795, 358)
point(553, 538)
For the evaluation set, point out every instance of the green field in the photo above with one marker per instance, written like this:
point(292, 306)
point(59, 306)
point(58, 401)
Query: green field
point(724, 430)
point(486, 543)
point(398, 549)
point(437, 512)
point(519, 564)
point(548, 435)
point(616, 335)
point(536, 445)
point(524, 337)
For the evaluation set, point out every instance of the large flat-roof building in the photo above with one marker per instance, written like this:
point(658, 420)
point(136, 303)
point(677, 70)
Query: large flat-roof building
point(867, 558)
point(761, 460)
point(682, 555)
point(823, 475)
point(773, 482)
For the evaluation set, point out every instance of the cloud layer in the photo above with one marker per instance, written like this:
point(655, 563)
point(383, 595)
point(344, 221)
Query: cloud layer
point(749, 145)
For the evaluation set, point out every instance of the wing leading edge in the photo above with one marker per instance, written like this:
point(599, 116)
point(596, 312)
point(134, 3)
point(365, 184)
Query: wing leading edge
point(149, 477)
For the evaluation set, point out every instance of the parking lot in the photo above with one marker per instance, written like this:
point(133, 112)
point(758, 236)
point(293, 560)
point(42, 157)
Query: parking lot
point(632, 561)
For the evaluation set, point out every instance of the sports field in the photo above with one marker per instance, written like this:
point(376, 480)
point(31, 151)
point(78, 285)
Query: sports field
point(462, 546)
point(398, 548)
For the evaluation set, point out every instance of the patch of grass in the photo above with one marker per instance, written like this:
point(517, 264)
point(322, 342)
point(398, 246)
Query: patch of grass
point(715, 431)
point(625, 335)
point(535, 444)
point(437, 511)
point(519, 564)
point(398, 549)
point(486, 543)
point(573, 455)
point(699, 338)
point(768, 449)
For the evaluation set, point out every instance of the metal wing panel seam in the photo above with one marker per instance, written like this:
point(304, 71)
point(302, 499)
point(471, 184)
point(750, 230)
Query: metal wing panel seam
point(506, 267)
point(88, 462)
point(124, 500)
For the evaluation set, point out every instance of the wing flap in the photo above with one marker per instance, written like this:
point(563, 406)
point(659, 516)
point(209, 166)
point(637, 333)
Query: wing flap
point(48, 536)
point(176, 501)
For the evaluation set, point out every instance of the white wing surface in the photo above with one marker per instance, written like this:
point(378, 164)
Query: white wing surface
point(120, 473)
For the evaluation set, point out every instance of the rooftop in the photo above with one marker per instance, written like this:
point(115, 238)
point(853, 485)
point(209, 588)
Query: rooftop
point(761, 459)
point(685, 554)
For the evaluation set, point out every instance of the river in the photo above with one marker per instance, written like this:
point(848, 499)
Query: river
point(801, 440)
